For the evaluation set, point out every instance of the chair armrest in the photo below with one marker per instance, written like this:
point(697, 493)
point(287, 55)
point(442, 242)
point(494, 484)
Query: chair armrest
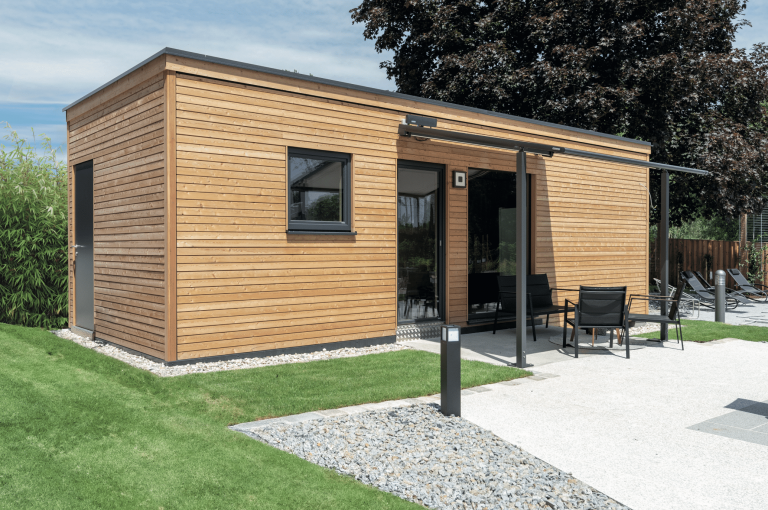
point(759, 286)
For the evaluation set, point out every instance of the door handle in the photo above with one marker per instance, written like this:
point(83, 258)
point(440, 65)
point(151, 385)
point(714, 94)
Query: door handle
point(77, 246)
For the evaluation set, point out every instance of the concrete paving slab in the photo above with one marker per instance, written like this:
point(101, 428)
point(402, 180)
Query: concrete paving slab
point(624, 426)
point(499, 349)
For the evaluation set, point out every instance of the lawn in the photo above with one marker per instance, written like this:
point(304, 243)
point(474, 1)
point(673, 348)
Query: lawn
point(82, 430)
point(703, 331)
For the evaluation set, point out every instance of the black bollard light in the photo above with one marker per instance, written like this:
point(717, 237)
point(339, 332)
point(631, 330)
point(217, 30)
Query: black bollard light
point(450, 370)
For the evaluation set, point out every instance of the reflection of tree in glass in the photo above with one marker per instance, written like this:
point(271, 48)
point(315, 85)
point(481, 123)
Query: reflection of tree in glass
point(326, 208)
point(491, 222)
point(416, 242)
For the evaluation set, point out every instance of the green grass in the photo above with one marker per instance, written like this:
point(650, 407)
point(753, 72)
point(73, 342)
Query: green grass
point(82, 430)
point(702, 331)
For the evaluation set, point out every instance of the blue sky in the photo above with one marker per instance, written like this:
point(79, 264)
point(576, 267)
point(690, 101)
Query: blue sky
point(55, 52)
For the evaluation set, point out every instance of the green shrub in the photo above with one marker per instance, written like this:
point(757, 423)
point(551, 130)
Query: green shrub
point(33, 234)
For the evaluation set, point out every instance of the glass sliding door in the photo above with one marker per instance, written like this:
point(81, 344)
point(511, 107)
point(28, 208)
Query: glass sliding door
point(419, 242)
point(492, 233)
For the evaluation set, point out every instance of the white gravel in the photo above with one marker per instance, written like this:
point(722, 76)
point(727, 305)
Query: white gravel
point(217, 366)
point(441, 462)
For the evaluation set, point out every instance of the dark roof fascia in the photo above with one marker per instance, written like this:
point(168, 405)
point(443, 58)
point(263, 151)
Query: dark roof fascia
point(359, 88)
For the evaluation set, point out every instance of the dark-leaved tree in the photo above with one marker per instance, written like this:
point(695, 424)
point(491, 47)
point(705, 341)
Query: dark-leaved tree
point(663, 71)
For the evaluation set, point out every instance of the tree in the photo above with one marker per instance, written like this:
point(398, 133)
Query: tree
point(663, 71)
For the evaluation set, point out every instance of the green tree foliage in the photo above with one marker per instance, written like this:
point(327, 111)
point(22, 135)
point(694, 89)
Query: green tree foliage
point(712, 229)
point(33, 235)
point(663, 71)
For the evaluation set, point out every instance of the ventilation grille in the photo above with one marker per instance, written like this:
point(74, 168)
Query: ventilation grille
point(419, 331)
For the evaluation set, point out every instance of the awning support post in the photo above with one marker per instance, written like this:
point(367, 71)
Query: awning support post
point(522, 261)
point(664, 248)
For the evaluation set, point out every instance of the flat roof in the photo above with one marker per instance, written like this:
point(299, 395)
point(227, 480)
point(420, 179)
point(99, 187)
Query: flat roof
point(361, 88)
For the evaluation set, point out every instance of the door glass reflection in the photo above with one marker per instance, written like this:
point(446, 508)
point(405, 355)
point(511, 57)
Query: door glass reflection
point(418, 269)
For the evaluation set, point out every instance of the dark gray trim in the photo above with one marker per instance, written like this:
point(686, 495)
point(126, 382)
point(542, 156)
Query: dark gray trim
point(304, 349)
point(81, 331)
point(360, 88)
point(533, 148)
point(635, 162)
point(327, 227)
point(441, 213)
point(320, 233)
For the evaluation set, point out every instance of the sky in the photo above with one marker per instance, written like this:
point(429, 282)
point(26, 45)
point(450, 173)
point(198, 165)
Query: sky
point(54, 52)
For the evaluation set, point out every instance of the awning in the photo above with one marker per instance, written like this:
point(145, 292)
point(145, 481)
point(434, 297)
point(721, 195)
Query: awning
point(529, 147)
point(426, 128)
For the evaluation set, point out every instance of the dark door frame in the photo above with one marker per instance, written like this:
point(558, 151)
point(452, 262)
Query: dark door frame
point(441, 270)
point(86, 324)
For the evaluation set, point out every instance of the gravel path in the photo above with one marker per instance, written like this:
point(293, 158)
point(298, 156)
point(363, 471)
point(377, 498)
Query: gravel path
point(216, 366)
point(441, 462)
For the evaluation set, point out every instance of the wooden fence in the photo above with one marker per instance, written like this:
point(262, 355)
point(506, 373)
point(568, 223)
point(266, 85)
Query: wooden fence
point(696, 255)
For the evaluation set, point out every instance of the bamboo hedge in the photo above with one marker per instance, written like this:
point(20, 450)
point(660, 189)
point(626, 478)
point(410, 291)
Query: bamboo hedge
point(33, 234)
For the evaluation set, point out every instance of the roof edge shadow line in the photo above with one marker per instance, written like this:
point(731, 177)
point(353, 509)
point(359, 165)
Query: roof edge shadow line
point(360, 88)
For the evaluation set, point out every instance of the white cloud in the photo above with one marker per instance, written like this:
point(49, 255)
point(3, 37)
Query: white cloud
point(70, 48)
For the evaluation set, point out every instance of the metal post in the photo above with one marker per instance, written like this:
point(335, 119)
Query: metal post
point(719, 295)
point(521, 291)
point(664, 248)
point(450, 370)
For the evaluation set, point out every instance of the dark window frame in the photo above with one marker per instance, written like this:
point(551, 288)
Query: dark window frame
point(344, 226)
point(440, 169)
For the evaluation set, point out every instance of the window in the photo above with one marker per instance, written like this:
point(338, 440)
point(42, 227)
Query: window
point(319, 191)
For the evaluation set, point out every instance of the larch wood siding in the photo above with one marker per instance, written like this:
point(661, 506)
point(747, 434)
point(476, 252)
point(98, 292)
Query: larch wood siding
point(124, 137)
point(243, 283)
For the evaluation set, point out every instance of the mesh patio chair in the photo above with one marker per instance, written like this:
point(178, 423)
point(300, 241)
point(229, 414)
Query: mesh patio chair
point(507, 303)
point(685, 299)
point(711, 288)
point(598, 307)
point(746, 287)
point(706, 297)
point(541, 297)
point(672, 318)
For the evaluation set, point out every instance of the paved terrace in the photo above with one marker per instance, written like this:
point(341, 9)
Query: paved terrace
point(667, 428)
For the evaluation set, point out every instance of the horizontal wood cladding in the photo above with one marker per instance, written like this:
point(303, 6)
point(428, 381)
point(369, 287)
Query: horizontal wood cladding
point(244, 285)
point(591, 226)
point(124, 136)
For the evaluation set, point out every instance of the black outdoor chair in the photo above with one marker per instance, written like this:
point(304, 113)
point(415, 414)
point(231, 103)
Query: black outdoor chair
point(598, 307)
point(731, 293)
point(541, 297)
point(507, 303)
point(674, 311)
point(706, 297)
point(745, 286)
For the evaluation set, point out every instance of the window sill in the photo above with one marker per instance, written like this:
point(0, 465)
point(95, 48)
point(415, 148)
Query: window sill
point(320, 233)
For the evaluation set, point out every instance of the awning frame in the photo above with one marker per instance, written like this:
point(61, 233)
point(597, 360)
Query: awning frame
point(416, 127)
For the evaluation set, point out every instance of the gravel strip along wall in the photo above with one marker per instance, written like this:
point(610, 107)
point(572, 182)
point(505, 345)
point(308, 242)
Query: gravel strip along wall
point(216, 366)
point(441, 462)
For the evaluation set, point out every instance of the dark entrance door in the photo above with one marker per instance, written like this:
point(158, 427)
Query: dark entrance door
point(84, 245)
point(420, 258)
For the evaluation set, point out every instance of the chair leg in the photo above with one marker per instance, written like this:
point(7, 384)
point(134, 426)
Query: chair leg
point(565, 331)
point(576, 334)
point(626, 337)
point(611, 337)
point(547, 325)
point(682, 343)
point(533, 322)
point(495, 318)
